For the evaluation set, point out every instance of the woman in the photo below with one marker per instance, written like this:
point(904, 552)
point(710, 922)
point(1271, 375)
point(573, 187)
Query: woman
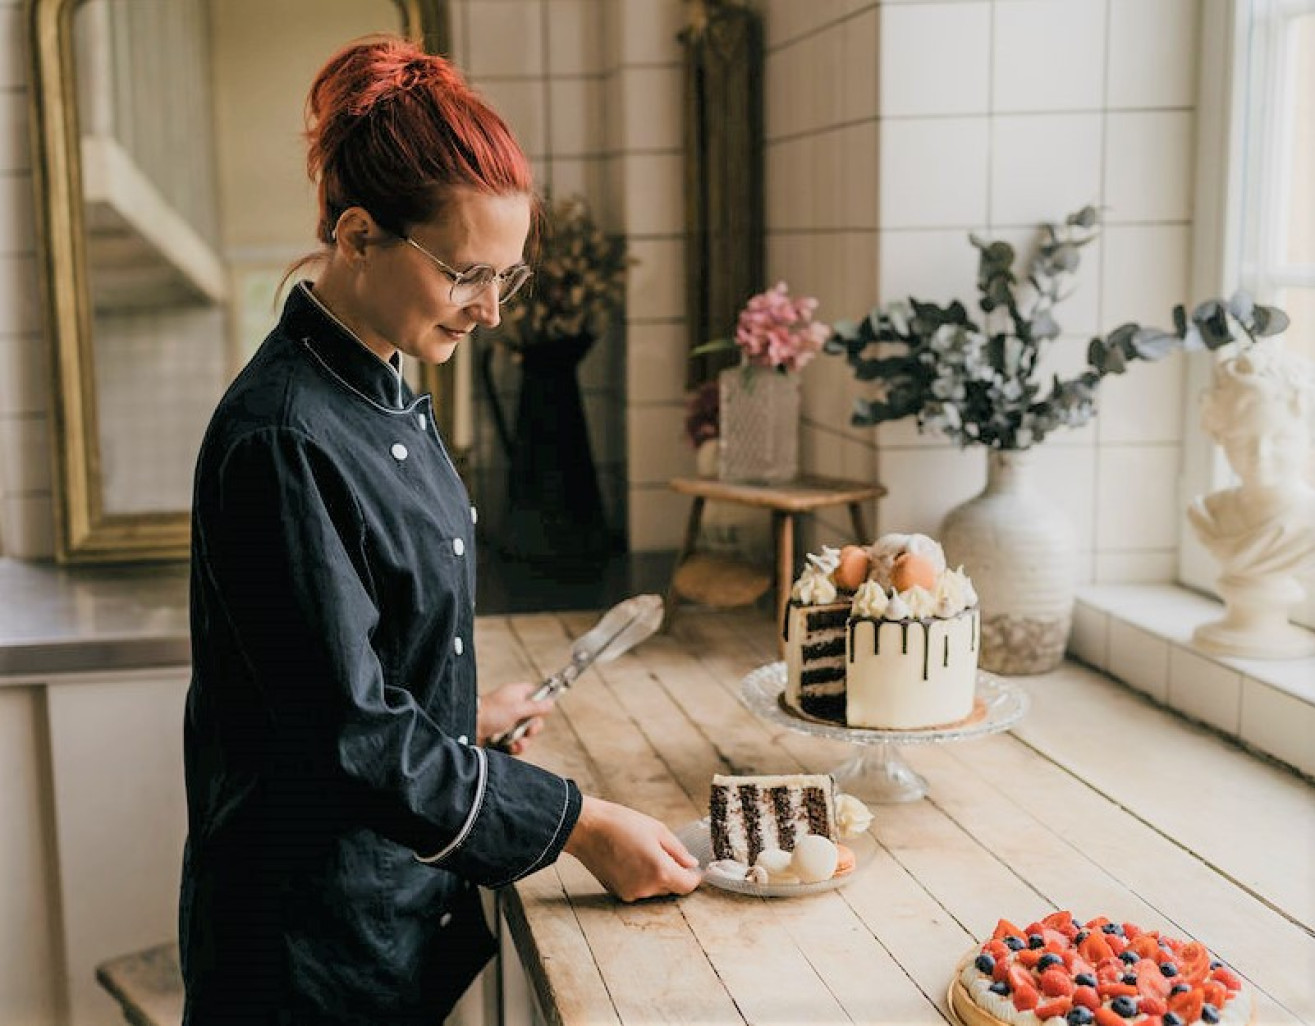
point(341, 808)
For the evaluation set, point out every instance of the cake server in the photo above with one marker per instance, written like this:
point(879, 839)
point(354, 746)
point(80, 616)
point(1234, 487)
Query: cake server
point(621, 628)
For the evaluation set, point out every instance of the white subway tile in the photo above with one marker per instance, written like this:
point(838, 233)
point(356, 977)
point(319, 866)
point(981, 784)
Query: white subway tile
point(926, 484)
point(657, 359)
point(858, 276)
point(778, 94)
point(859, 65)
point(17, 201)
point(1277, 723)
point(1139, 659)
point(1145, 404)
point(26, 466)
point(1048, 56)
point(659, 450)
point(653, 115)
point(29, 525)
point(655, 193)
point(575, 116)
point(521, 104)
point(575, 34)
point(13, 47)
point(1149, 166)
point(1146, 272)
point(24, 375)
point(933, 173)
point(657, 516)
point(649, 31)
point(1066, 476)
point(1137, 497)
point(858, 145)
point(19, 296)
point(15, 152)
point(655, 286)
point(1043, 166)
point(1159, 566)
point(1205, 690)
point(1153, 55)
point(828, 391)
point(584, 176)
point(935, 59)
point(1090, 638)
point(933, 266)
point(506, 39)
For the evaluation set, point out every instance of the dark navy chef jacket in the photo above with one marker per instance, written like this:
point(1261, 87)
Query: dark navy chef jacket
point(339, 809)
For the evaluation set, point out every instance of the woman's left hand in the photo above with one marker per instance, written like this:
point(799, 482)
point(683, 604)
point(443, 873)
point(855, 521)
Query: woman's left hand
point(504, 707)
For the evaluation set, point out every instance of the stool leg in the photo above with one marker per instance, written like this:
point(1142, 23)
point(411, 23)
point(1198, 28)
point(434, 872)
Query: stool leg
point(784, 569)
point(691, 538)
point(860, 528)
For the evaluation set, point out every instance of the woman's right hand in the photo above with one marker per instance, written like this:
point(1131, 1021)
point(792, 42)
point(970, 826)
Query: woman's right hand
point(633, 855)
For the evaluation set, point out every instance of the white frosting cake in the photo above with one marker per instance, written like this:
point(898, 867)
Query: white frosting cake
point(911, 632)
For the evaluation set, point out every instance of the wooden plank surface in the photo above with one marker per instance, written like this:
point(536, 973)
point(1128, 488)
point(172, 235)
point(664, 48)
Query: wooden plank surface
point(1097, 802)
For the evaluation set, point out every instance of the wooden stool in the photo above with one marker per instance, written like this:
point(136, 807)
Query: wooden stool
point(786, 501)
point(148, 985)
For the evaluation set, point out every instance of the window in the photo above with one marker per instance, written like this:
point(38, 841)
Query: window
point(1255, 218)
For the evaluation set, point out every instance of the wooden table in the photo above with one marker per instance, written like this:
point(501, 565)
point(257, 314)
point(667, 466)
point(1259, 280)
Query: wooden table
point(786, 501)
point(1097, 802)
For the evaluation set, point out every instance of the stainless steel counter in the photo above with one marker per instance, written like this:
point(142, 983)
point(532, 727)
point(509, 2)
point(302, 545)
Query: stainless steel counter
point(56, 619)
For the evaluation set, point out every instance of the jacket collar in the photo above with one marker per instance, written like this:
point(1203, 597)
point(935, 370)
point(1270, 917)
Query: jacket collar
point(305, 320)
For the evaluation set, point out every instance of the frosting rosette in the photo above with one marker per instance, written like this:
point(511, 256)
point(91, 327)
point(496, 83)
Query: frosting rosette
point(852, 816)
point(870, 601)
point(954, 593)
point(814, 587)
point(920, 601)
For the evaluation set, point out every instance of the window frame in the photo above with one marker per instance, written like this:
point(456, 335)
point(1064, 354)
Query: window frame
point(1240, 92)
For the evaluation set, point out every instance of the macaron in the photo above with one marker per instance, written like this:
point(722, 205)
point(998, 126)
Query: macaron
point(910, 570)
point(853, 568)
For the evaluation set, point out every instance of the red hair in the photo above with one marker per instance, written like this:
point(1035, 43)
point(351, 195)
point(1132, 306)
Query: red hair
point(391, 127)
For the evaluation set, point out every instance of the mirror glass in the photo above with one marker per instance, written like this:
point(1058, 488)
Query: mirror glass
point(174, 197)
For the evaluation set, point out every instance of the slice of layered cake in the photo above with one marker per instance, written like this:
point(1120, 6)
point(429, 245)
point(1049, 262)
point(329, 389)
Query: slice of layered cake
point(752, 814)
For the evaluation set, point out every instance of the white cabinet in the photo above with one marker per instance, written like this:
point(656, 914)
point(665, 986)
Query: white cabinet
point(94, 817)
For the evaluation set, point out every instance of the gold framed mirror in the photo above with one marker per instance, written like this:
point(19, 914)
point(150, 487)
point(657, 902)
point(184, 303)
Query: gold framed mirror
point(147, 311)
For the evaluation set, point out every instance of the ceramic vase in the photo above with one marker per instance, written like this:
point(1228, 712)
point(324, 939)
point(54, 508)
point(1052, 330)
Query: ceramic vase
point(1019, 550)
point(758, 439)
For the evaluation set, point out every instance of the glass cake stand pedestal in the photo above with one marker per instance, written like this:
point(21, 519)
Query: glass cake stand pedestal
point(877, 773)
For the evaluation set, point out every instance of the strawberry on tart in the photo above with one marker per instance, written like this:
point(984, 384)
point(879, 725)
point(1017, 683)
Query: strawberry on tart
point(1064, 973)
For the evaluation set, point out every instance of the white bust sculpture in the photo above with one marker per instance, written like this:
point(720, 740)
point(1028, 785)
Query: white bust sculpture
point(1262, 531)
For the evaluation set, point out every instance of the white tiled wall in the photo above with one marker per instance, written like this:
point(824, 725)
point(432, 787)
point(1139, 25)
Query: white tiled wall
point(893, 129)
point(991, 116)
point(26, 516)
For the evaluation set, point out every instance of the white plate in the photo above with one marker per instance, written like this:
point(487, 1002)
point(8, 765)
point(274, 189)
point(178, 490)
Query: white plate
point(697, 837)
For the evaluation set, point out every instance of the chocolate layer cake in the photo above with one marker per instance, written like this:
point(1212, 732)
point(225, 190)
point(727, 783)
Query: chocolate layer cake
point(749, 814)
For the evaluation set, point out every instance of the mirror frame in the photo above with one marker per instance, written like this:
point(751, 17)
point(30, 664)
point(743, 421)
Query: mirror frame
point(84, 531)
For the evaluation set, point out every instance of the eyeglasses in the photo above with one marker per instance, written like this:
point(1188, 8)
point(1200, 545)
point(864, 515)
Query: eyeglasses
point(469, 285)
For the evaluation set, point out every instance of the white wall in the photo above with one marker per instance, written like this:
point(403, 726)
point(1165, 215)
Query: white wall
point(896, 128)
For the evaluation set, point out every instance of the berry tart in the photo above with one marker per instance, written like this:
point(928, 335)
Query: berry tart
point(1064, 973)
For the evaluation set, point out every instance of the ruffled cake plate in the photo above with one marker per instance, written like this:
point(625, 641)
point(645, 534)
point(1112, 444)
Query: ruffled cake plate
point(877, 772)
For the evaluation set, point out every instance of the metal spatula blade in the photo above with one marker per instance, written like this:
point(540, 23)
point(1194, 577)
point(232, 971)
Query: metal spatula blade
point(621, 628)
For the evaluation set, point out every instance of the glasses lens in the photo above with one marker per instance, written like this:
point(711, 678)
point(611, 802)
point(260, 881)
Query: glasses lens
point(472, 283)
point(514, 280)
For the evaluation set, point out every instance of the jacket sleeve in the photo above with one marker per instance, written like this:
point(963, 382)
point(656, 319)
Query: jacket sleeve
point(286, 552)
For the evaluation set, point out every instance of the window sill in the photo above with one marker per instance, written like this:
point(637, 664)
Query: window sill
point(1142, 636)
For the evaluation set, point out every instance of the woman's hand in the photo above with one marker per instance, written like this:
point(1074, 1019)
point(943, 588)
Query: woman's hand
point(504, 707)
point(634, 856)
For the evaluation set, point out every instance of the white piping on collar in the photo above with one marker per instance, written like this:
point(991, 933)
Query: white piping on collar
point(397, 371)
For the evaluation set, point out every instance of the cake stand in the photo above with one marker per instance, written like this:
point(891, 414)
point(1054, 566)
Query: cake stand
point(877, 773)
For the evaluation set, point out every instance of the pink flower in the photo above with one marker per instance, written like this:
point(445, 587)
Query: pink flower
point(779, 332)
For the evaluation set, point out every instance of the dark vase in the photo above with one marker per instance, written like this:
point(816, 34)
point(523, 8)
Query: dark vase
point(554, 508)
